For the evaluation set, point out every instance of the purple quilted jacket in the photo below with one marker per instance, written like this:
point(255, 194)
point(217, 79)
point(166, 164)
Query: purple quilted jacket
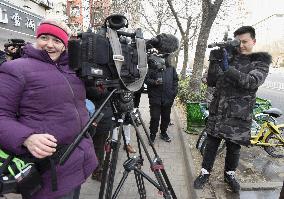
point(38, 95)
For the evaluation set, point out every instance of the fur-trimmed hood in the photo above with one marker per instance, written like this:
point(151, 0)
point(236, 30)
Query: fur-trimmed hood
point(261, 56)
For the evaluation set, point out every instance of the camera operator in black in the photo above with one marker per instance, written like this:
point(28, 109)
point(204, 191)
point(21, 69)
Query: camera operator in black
point(162, 85)
point(230, 112)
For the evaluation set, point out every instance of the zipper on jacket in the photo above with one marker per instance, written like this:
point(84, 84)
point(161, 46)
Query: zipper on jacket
point(72, 92)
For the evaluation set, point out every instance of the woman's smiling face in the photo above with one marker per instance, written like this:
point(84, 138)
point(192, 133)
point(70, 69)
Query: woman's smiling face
point(52, 45)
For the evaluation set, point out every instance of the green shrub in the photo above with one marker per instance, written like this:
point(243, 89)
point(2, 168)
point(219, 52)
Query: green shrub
point(184, 95)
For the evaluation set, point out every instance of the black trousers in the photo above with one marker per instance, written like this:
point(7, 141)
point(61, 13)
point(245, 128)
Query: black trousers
point(99, 141)
point(157, 111)
point(232, 154)
point(136, 99)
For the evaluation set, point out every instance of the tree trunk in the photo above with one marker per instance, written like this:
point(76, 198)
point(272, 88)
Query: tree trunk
point(195, 80)
point(209, 13)
point(185, 58)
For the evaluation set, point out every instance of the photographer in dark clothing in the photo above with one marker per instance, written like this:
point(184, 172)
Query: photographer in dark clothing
point(162, 85)
point(230, 112)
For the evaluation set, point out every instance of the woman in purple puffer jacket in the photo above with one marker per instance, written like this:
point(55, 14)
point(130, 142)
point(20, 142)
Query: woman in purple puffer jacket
point(42, 105)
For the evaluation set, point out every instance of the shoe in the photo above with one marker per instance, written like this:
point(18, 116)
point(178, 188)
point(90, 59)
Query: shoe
point(230, 178)
point(165, 137)
point(129, 148)
point(97, 175)
point(200, 181)
point(171, 123)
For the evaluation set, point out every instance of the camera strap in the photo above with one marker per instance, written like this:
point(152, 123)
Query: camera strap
point(119, 59)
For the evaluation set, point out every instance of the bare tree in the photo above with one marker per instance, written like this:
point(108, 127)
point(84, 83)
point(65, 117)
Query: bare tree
point(209, 13)
point(156, 17)
point(186, 35)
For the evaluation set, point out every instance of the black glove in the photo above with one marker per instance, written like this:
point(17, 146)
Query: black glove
point(216, 55)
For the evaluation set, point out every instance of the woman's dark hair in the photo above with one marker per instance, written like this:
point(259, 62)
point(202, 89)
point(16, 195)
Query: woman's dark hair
point(245, 29)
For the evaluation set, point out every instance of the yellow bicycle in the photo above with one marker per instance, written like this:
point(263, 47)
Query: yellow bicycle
point(269, 135)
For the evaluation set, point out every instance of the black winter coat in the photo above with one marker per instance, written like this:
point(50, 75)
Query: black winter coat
point(165, 93)
point(230, 112)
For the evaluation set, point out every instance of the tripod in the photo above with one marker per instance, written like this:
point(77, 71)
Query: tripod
point(135, 164)
point(122, 107)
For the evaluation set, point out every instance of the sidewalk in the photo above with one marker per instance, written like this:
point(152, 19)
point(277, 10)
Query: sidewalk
point(172, 155)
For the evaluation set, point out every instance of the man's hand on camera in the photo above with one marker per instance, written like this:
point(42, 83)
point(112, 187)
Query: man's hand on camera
point(216, 55)
point(225, 62)
point(41, 145)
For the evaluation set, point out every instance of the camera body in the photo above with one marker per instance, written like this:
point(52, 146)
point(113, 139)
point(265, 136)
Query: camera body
point(231, 46)
point(109, 57)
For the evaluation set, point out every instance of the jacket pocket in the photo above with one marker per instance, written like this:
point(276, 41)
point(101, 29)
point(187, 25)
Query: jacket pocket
point(240, 108)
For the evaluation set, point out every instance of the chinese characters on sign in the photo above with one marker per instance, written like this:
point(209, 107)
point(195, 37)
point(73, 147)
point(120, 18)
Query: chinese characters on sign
point(15, 19)
point(3, 16)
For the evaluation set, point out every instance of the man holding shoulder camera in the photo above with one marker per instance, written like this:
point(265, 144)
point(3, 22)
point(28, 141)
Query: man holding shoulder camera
point(162, 89)
point(230, 113)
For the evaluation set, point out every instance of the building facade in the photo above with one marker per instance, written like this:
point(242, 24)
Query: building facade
point(74, 13)
point(267, 17)
point(58, 11)
point(19, 19)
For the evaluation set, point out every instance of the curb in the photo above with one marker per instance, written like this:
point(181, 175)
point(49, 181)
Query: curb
point(187, 158)
point(261, 186)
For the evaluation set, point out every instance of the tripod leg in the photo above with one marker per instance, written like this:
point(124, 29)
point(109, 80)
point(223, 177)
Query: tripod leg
point(112, 166)
point(140, 185)
point(157, 165)
point(168, 184)
point(105, 170)
point(125, 174)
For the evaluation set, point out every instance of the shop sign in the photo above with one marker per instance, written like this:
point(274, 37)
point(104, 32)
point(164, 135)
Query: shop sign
point(15, 19)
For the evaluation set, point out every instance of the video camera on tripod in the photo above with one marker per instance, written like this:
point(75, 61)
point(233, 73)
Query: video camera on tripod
point(118, 61)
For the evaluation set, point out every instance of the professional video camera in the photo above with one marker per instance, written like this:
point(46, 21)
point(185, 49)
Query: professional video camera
point(110, 58)
point(231, 46)
point(14, 47)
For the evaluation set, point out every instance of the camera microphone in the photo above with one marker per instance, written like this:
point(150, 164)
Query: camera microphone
point(164, 43)
point(223, 44)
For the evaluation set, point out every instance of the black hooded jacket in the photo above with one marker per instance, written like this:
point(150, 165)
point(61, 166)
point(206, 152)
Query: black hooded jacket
point(163, 94)
point(230, 112)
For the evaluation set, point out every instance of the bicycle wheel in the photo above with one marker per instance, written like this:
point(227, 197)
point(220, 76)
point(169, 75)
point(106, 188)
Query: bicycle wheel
point(274, 151)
